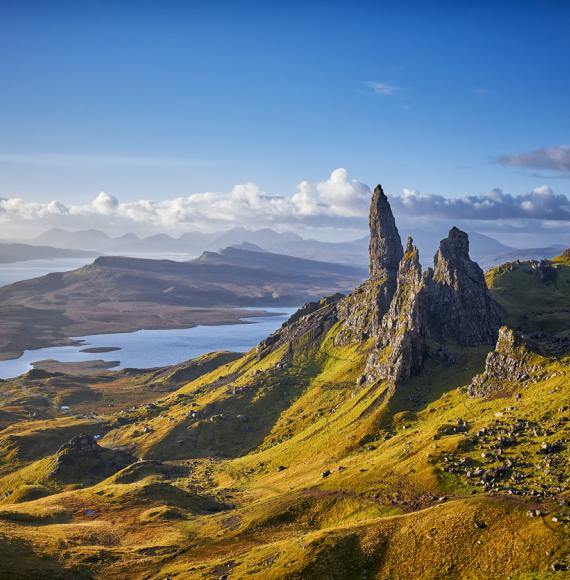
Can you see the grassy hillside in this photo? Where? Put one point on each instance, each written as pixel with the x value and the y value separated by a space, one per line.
pixel 277 465
pixel 534 298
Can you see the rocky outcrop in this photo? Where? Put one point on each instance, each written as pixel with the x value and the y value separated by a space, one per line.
pixel 449 302
pixel 83 460
pixel 304 328
pixel 401 348
pixel 363 310
pixel 511 364
pixel 460 306
pixel 399 308
pixel 544 270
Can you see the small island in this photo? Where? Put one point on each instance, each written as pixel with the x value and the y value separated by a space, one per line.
pixel 100 349
pixel 83 368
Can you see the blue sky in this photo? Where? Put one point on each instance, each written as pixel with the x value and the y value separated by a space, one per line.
pixel 148 100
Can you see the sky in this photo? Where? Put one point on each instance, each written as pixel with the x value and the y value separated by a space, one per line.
pixel 177 116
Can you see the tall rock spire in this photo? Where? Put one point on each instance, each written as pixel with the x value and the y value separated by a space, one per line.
pixel 385 244
pixel 363 310
pixel 402 345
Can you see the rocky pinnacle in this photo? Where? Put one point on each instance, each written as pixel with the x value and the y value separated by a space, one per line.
pixel 461 307
pixel 402 345
pixel 385 244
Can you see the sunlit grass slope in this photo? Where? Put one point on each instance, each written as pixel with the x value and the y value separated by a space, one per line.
pixel 277 465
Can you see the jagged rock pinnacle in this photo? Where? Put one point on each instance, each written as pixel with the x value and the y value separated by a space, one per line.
pixel 404 328
pixel 362 311
pixel 456 243
pixel 460 304
pixel 509 366
pixel 385 244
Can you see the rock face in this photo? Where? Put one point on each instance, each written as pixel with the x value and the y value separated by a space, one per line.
pixel 83 460
pixel 545 270
pixel 401 347
pixel 363 310
pixel 449 302
pixel 400 309
pixel 385 248
pixel 460 306
pixel 306 326
pixel 511 364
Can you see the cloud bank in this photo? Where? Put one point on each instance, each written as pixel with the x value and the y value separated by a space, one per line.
pixel 549 158
pixel 336 202
pixel 539 204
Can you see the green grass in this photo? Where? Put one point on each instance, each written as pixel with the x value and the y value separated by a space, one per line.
pixel 324 478
pixel 530 304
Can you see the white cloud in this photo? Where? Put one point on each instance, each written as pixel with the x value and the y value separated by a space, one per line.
pixel 105 204
pixel 383 89
pixel 335 202
pixel 344 197
pixel 327 202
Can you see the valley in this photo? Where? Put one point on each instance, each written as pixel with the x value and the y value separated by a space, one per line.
pixel 415 428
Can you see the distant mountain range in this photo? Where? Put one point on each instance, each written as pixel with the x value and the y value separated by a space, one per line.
pixel 194 243
pixel 11 253
pixel 485 250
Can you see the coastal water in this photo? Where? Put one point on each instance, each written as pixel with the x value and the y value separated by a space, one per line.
pixel 10 273
pixel 153 348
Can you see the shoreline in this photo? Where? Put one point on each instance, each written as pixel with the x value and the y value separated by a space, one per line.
pixel 220 317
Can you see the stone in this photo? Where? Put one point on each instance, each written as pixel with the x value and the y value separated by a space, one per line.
pixel 480 525
pixel 362 311
pixel 83 460
pixel 404 310
pixel 385 249
pixel 401 350
pixel 460 304
pixel 505 367
pixel 307 325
